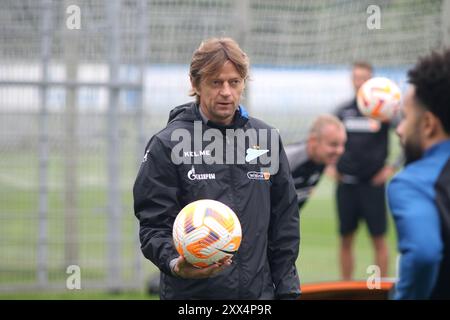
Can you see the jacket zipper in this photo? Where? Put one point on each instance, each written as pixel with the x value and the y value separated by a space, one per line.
pixel 233 191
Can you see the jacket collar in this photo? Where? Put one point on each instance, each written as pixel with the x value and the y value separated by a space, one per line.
pixel 239 120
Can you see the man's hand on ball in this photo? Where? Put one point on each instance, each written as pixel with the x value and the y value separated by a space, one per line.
pixel 184 269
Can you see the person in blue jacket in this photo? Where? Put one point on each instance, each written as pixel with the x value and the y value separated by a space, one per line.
pixel 419 196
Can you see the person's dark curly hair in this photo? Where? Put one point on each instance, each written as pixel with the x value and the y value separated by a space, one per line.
pixel 431 78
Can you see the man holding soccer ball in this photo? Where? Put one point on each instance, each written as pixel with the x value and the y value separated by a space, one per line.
pixel 361 174
pixel 251 177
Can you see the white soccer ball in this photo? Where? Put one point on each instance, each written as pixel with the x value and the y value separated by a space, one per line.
pixel 379 98
pixel 206 231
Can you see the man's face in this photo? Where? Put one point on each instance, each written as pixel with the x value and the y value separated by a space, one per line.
pixel 359 76
pixel 220 94
pixel 328 146
pixel 409 128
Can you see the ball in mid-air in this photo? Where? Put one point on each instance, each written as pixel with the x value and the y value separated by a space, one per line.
pixel 206 231
pixel 379 98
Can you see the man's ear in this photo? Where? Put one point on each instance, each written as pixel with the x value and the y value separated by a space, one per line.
pixel 194 87
pixel 312 139
pixel 431 124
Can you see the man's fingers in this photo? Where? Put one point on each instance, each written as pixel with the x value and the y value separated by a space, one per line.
pixel 216 267
pixel 186 270
pixel 203 272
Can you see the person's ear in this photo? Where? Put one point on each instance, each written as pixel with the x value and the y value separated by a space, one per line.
pixel 194 87
pixel 430 124
pixel 312 140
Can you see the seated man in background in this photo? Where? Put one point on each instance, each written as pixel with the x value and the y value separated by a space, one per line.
pixel 324 145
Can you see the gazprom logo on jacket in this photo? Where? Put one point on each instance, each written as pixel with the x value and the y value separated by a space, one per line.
pixel 200 176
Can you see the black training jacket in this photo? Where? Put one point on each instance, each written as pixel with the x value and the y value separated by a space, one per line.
pixel 305 172
pixel 442 287
pixel 264 266
pixel 366 148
